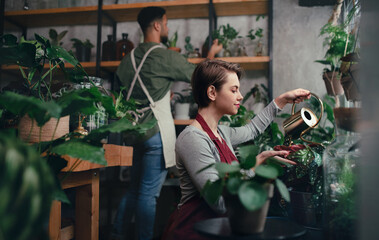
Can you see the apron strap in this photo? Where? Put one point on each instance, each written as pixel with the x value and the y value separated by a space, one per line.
pixel 137 76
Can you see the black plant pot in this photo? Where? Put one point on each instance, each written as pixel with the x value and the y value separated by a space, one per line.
pixel 303 209
pixel 83 54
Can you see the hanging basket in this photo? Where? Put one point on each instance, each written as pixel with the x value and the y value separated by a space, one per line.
pixel 347 118
pixel 25 129
pixel 350 84
pixel 332 83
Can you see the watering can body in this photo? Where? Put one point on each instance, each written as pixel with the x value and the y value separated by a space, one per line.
pixel 301 122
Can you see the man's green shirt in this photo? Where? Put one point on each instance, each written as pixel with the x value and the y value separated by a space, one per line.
pixel 161 68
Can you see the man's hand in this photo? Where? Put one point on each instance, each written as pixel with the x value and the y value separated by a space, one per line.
pixel 215 48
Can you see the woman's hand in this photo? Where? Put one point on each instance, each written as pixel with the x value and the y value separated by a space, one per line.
pixel 294 96
pixel 278 155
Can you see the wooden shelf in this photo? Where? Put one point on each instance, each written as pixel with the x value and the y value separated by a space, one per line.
pixel 247 63
pixel 128 12
pixel 183 122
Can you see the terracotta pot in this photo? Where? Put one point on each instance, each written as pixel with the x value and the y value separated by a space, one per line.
pixel 243 221
pixel 332 83
pixel 176 49
pixel 26 123
pixel 347 118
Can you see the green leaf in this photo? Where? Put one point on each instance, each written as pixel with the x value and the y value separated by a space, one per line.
pixel 267 171
pixel 121 125
pixel 212 191
pixel 224 168
pixel 247 150
pixel 34 107
pixel 282 188
pixel 82 100
pixel 84 151
pixel 252 195
pixel 233 184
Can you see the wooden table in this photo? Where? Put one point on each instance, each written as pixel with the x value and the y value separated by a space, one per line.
pixel 85 179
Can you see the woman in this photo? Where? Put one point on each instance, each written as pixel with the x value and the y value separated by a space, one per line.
pixel 216 90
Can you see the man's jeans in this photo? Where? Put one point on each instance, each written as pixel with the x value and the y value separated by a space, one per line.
pixel 147 176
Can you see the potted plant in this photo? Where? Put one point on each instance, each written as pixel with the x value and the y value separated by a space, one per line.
pixel 305 180
pixel 82 49
pixel 252 36
pixel 246 192
pixel 55 38
pixel 39 104
pixel 183 103
pixel 339 41
pixel 171 42
pixel 31 56
pixel 227 34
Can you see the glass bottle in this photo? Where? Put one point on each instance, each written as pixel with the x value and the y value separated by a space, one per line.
pixel 109 50
pixel 123 47
pixel 340 178
pixel 259 49
pixel 194 54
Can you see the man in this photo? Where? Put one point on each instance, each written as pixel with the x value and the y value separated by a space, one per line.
pixel 148 73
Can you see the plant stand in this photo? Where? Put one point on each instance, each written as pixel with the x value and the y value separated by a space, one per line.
pixel 85 179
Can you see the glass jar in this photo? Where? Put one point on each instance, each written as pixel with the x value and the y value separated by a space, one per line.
pixel 340 175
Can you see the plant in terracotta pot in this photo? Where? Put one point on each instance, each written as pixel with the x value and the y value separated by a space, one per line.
pixel 171 42
pixel 246 192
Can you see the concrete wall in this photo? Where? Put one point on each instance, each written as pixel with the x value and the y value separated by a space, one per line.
pixel 296 45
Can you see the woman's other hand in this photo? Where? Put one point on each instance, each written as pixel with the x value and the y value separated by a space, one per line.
pixel 293 96
pixel 278 155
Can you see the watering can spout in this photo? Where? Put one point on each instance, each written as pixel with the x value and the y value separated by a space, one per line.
pixel 301 122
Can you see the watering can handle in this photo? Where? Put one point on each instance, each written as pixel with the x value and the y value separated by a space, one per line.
pixel 319 119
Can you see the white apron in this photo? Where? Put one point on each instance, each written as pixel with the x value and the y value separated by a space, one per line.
pixel 161 110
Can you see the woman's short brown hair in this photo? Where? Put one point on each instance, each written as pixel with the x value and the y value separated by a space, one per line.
pixel 211 72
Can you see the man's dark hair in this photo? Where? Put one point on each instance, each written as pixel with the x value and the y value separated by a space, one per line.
pixel 148 15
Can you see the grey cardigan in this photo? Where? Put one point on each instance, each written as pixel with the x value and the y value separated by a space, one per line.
pixel 195 150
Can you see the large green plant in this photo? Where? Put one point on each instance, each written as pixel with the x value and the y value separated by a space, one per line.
pixel 340 39
pixel 31 56
pixel 237 179
pixel 26 190
pixel 42 108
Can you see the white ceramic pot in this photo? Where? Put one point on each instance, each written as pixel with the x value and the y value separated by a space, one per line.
pixel 182 111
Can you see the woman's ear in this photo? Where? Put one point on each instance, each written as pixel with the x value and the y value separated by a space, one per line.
pixel 211 92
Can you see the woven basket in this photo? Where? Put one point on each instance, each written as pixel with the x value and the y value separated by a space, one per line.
pixel 47 130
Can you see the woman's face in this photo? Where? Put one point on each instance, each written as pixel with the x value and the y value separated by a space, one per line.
pixel 228 98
